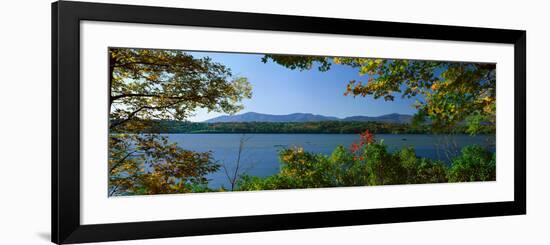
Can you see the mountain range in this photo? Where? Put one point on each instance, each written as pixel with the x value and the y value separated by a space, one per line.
pixel 307 117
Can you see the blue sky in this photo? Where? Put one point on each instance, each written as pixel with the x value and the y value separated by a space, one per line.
pixel 279 90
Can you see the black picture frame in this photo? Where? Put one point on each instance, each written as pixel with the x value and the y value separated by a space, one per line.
pixel 66 17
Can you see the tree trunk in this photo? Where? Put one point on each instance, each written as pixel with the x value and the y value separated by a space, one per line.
pixel 110 81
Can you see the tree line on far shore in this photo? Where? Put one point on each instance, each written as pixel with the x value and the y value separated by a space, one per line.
pixel 322 127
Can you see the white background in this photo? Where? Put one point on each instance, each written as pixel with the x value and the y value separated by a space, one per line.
pixel 25 144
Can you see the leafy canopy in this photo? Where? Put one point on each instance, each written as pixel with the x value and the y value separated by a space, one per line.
pixel 447 93
pixel 169 84
pixel 147 85
pixel 148 164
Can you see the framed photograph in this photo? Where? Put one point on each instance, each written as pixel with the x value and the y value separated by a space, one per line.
pixel 176 122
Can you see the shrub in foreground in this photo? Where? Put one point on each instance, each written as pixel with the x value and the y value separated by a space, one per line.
pixel 473 164
pixel 371 164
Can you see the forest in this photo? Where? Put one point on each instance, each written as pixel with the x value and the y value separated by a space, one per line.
pixel 322 127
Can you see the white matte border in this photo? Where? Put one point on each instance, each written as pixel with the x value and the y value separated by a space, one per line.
pixel 97 208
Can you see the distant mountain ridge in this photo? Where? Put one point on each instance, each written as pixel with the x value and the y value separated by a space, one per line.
pixel 308 117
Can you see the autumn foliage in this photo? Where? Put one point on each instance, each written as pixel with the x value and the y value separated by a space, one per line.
pixel 446 93
pixel 145 85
